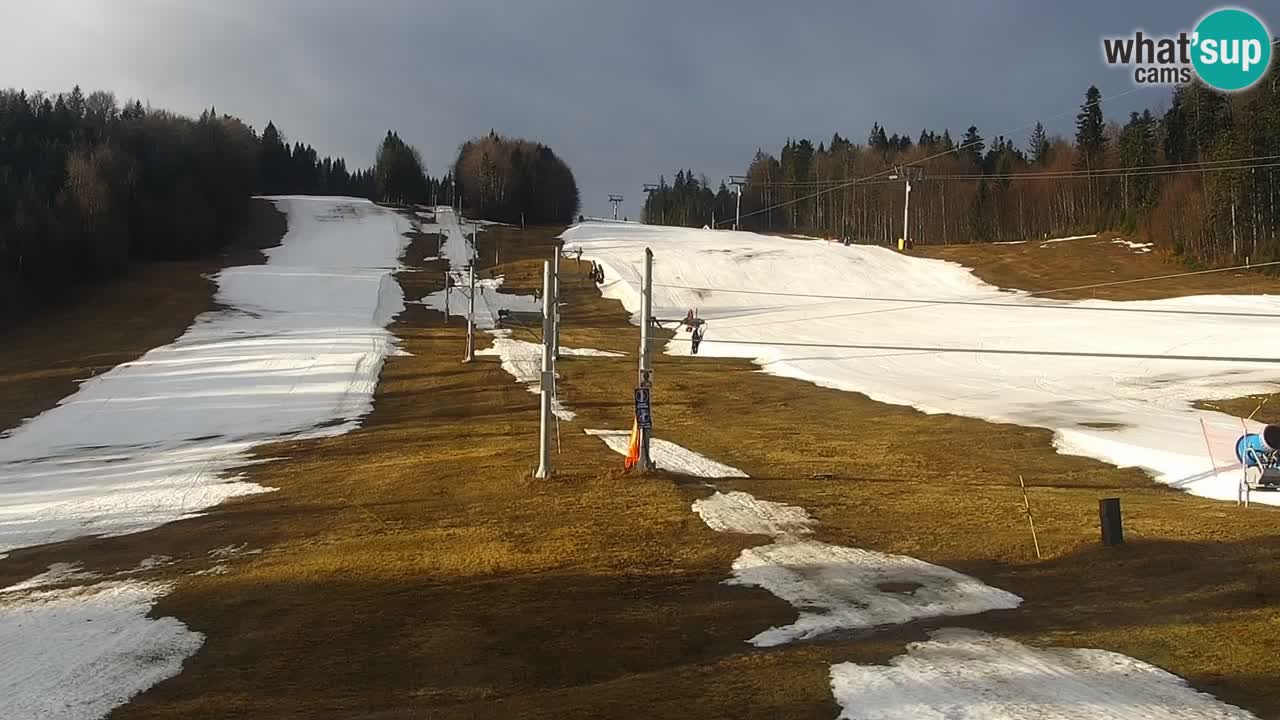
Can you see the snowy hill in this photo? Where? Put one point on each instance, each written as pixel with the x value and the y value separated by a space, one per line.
pixel 1113 380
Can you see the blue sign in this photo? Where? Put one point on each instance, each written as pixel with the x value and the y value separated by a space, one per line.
pixel 644 417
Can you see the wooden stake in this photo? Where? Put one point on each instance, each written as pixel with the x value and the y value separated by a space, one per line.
pixel 1026 507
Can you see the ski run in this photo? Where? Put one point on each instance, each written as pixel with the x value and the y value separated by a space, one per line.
pixel 930 335
pixel 294 352
pixel 297 345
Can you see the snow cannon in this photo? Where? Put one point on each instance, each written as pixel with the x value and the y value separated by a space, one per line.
pixel 1261 450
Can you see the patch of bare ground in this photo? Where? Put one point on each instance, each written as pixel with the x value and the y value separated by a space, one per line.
pixel 1037 266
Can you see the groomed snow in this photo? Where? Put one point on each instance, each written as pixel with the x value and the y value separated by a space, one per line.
pixel 1000 364
pixel 76 654
pixel 969 675
pixel 669 456
pixel 295 352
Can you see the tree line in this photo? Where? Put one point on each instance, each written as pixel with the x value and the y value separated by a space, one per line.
pixel 88 186
pixel 515 181
pixel 1209 208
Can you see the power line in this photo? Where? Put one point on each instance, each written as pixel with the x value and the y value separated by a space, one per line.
pixel 918 303
pixel 955 149
pixel 1248 163
pixel 1110 172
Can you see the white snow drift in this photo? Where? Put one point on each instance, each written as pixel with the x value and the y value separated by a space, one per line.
pixel 969 675
pixel 75 654
pixel 669 456
pixel 842 588
pixel 296 349
pixel 833 587
pixel 741 512
pixel 1101 377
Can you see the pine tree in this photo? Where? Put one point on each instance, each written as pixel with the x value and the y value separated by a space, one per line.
pixel 971 146
pixel 1090 138
pixel 1038 145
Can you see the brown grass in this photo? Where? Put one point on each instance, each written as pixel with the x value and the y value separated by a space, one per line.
pixel 412 568
pixel 1040 267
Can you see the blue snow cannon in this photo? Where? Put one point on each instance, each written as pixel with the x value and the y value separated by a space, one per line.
pixel 1261 450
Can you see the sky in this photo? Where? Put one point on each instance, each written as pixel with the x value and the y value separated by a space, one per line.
pixel 623 91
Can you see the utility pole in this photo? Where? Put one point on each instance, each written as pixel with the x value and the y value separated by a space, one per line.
pixel 907 173
pixel 738 182
pixel 548 378
pixel 471 315
pixel 555 312
pixel 646 364
pixel 615 199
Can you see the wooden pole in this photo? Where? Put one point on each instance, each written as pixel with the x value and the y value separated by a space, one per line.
pixel 1026 507
pixel 1109 517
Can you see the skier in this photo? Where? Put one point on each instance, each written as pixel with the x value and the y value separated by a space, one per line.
pixel 698 332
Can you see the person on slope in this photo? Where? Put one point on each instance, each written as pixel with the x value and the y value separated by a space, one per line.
pixel 698 332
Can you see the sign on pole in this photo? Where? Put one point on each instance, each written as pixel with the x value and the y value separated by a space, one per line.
pixel 644 416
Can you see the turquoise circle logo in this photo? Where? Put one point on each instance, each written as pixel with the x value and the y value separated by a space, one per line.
pixel 1231 49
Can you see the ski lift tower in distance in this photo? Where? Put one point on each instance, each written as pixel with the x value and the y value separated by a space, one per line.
pixel 910 174
pixel 738 182
pixel 615 199
pixel 650 189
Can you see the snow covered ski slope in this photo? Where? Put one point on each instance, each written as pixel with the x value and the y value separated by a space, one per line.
pixel 296 349
pixel 1111 383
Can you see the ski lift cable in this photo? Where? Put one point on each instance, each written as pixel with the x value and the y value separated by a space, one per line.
pixel 987 351
pixel 920 303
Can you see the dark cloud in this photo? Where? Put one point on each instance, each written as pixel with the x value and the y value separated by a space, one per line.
pixel 624 91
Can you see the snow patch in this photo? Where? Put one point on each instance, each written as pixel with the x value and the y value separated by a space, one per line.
pixel 839 588
pixel 1066 239
pixel 833 587
pixel 741 512
pixel 230 551
pixel 1135 246
pixel 152 563
pixel 669 456
pixel 57 574
pixel 76 654
pixel 969 675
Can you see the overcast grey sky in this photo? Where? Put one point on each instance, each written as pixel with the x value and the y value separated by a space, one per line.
pixel 624 91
